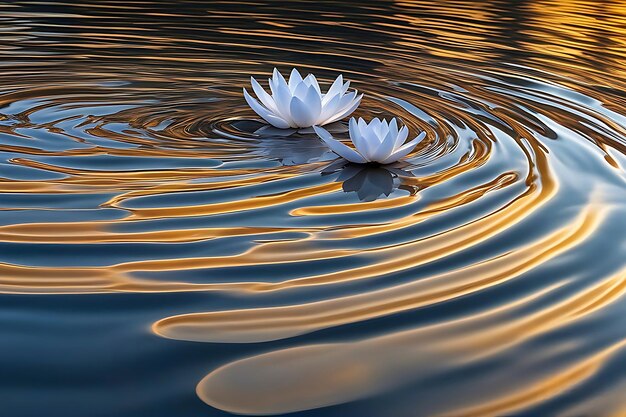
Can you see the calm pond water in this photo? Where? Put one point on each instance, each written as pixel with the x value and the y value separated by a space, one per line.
pixel 161 257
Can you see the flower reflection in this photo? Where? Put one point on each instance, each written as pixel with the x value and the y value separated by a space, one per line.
pixel 370 182
pixel 283 150
pixel 278 144
pixel 269 131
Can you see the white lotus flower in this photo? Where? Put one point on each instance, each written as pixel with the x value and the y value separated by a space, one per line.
pixel 300 103
pixel 377 141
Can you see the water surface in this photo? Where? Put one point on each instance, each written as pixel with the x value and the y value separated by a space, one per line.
pixel 160 255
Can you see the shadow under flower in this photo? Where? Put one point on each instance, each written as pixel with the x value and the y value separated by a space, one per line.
pixel 288 146
pixel 370 181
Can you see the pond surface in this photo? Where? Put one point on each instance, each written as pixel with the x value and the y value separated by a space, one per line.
pixel 161 256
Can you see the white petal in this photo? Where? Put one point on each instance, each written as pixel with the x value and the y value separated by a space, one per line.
pixel 299 112
pixel 267 115
pixel 368 149
pixel 347 100
pixel 383 130
pixel 369 143
pixel 334 89
pixel 384 149
pixel 305 112
pixel 393 127
pixel 300 91
pixel 311 80
pixel 420 137
pixel 379 129
pixel 314 102
pixel 391 136
pixel 371 134
pixel 355 135
pixel 294 79
pixel 329 110
pixel 265 98
pixel 278 77
pixel 404 150
pixel 362 126
pixel 353 128
pixel 345 87
pixel 399 154
pixel 346 112
pixel 338 147
pixel 282 98
pixel 402 135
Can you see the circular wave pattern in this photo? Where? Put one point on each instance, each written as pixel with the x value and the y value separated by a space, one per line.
pixel 492 254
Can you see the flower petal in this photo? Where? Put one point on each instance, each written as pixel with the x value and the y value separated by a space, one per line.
pixel 392 134
pixel 371 133
pixel 404 150
pixel 370 140
pixel 362 126
pixel 329 110
pixel 347 100
pixel 294 79
pixel 401 138
pixel 267 115
pixel 356 137
pixel 334 89
pixel 299 112
pixel 383 130
pixel 313 101
pixel 353 128
pixel 305 112
pixel 393 127
pixel 282 97
pixel 344 88
pixel 347 111
pixel 278 77
pixel 265 98
pixel 338 147
pixel 385 149
pixel 300 90
pixel 310 80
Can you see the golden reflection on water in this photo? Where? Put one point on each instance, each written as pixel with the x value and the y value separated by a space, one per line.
pixel 345 372
pixel 487 268
pixel 268 324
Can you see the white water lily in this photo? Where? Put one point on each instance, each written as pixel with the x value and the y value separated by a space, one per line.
pixel 377 141
pixel 300 103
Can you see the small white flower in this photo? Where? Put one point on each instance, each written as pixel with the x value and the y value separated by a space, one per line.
pixel 377 141
pixel 300 103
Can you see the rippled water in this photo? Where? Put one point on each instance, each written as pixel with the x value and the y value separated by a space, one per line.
pixel 160 256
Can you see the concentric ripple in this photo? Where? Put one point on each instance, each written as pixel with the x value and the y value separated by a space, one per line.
pixel 484 275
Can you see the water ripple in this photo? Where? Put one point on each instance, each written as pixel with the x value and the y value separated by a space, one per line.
pixel 493 253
